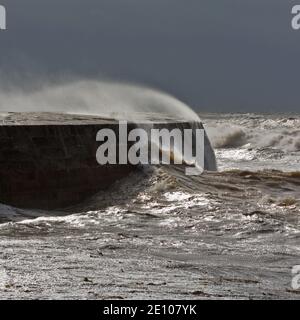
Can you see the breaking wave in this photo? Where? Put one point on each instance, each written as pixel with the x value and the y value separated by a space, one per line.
pixel 282 134
pixel 227 137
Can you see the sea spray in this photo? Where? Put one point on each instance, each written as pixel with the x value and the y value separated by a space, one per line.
pixel 114 100
pixel 118 101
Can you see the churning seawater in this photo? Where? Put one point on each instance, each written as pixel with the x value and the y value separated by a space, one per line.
pixel 160 234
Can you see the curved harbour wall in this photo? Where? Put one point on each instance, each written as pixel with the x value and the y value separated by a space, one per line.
pixel 49 161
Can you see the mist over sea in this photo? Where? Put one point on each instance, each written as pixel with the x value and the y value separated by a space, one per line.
pixel 161 234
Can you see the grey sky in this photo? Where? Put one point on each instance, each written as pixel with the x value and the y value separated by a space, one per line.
pixel 222 55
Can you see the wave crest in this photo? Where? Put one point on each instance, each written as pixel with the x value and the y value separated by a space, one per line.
pixel 227 137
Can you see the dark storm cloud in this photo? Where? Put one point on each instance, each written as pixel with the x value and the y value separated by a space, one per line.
pixel 224 55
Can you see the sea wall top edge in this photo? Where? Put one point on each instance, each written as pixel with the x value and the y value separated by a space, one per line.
pixel 12 119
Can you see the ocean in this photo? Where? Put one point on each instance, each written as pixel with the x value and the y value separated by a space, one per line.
pixel 230 234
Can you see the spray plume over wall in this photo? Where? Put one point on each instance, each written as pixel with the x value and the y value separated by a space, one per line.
pixel 107 99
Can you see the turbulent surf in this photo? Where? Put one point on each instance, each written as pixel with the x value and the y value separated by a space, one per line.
pixel 227 234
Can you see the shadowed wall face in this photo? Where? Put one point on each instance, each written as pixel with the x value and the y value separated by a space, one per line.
pixel 222 55
pixel 52 166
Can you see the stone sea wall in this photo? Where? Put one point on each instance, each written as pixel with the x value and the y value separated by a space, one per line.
pixel 53 166
pixel 48 161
